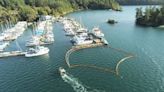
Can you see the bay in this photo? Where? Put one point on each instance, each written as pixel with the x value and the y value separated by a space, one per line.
pixel 143 73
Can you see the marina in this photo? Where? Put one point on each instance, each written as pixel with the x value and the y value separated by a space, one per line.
pixel 80 35
pixel 92 68
pixel 10 33
pixel 42 34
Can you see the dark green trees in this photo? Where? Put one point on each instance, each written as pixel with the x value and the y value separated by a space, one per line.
pixel 97 4
pixel 140 2
pixel 29 9
pixel 139 13
pixel 27 13
pixel 152 16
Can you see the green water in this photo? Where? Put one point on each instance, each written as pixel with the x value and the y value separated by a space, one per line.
pixel 143 73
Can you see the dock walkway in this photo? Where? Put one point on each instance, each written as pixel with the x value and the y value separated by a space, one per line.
pixel 12 53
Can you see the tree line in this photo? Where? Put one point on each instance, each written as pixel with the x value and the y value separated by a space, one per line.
pixel 140 2
pixel 29 10
pixel 151 16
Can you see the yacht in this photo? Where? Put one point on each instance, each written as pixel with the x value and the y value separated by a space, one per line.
pixel 80 40
pixel 80 35
pixel 37 51
pixel 2 37
pixel 62 71
pixel 83 34
pixel 97 32
pixel 3 45
pixel 68 27
pixel 46 40
pixel 33 41
pixel 82 30
pixel 70 33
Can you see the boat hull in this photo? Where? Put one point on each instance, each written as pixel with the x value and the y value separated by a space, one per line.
pixel 84 42
pixel 37 54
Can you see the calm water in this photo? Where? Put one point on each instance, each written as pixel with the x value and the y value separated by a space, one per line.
pixel 144 73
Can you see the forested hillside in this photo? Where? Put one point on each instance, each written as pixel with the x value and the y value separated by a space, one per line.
pixel 151 16
pixel 140 2
pixel 13 10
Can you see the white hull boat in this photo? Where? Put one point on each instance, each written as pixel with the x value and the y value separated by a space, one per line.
pixel 62 71
pixel 3 45
pixel 38 51
pixel 84 42
pixel 97 32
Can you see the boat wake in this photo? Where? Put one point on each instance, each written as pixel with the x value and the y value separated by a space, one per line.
pixel 77 85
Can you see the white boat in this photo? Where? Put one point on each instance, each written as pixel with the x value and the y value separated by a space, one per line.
pixel 48 37
pixel 81 35
pixel 46 40
pixel 2 37
pixel 33 41
pixel 43 34
pixel 84 42
pixel 70 33
pixel 37 51
pixel 79 40
pixel 82 30
pixel 97 32
pixel 12 33
pixel 62 71
pixel 68 27
pixel 3 45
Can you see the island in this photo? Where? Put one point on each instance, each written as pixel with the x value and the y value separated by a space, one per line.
pixel 29 10
pixel 151 16
pixel 111 21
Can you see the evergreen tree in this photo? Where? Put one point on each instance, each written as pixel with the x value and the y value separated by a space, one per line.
pixel 151 17
pixel 29 9
pixel 139 13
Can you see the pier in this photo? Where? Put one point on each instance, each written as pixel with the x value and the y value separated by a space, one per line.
pixel 12 53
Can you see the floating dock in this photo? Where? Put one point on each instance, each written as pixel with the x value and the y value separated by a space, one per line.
pixel 12 53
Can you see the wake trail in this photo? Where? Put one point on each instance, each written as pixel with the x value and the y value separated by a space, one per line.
pixel 77 85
